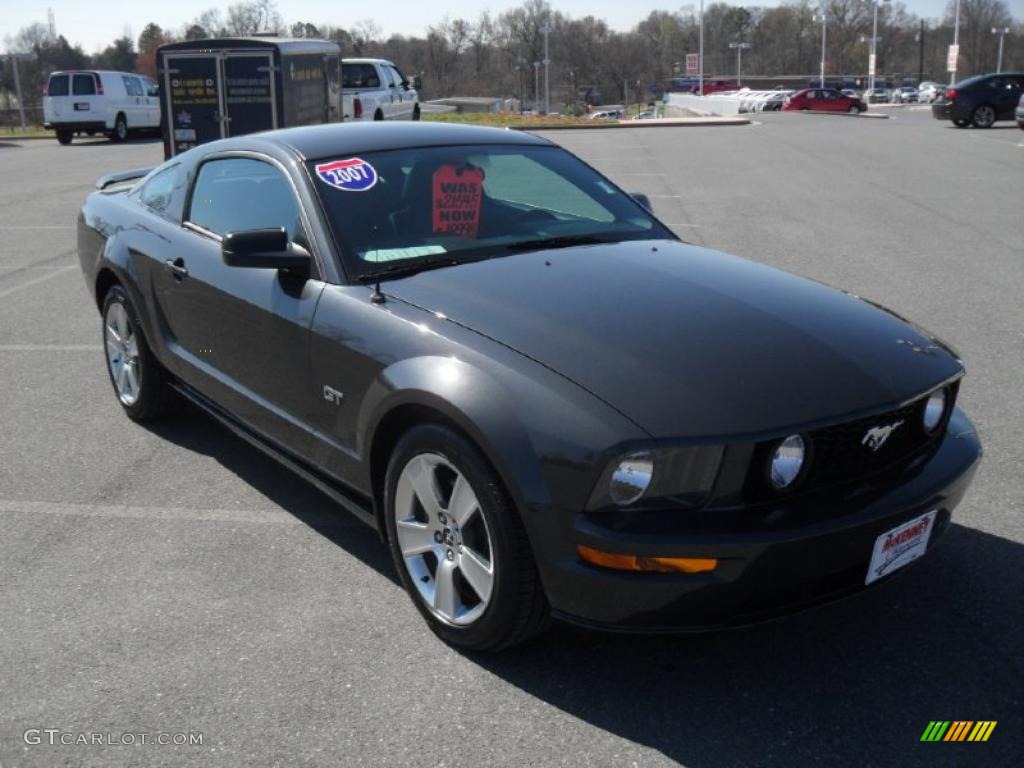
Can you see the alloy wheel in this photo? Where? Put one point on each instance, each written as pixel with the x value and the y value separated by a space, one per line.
pixel 984 116
pixel 122 354
pixel 444 539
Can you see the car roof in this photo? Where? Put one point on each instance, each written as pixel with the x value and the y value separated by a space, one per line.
pixel 315 142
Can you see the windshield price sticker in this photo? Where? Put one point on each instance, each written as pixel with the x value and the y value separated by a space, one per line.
pixel 457 194
pixel 352 175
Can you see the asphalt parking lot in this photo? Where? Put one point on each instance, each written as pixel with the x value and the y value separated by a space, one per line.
pixel 175 580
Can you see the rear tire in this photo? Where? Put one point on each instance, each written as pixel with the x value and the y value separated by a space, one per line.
pixel 378 115
pixel 475 552
pixel 983 116
pixel 64 137
pixel 139 381
pixel 120 132
pixel 416 112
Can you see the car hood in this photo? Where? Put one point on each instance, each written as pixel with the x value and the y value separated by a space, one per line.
pixel 689 342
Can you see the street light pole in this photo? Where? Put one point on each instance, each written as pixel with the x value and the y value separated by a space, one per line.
pixel 1002 32
pixel 536 86
pixel 700 48
pixel 956 43
pixel 823 18
pixel 739 58
pixel 546 29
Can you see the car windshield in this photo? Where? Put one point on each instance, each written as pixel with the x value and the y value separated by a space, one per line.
pixel 403 210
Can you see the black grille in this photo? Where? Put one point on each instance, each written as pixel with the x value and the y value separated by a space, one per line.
pixel 846 452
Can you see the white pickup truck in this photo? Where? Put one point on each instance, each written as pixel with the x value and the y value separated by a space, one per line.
pixel 375 89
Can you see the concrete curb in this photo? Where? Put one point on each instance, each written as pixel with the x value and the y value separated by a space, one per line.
pixel 667 122
pixel 837 114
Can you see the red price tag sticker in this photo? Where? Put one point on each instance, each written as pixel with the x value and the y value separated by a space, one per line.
pixel 457 194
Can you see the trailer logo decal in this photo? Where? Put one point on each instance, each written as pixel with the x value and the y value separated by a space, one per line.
pixel 352 175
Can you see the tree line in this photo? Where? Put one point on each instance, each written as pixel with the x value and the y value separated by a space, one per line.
pixel 495 55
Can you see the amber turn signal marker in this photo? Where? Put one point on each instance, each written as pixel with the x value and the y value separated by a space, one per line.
pixel 651 564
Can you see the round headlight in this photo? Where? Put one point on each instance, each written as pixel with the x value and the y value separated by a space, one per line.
pixel 787 461
pixel 934 410
pixel 631 478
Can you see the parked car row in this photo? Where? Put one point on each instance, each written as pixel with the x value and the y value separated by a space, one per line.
pixel 762 101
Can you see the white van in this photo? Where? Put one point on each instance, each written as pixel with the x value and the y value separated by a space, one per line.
pixel 100 101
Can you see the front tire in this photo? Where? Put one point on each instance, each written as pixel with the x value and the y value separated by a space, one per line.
pixel 416 112
pixel 458 543
pixel 854 110
pixel 983 116
pixel 64 137
pixel 139 381
pixel 120 132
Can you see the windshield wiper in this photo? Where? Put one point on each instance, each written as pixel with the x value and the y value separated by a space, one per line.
pixel 409 268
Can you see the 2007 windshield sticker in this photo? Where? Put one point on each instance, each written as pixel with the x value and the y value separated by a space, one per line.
pixel 352 175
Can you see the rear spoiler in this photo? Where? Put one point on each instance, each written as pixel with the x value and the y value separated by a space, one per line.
pixel 115 178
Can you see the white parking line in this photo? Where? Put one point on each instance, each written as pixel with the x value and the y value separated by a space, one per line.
pixel 51 348
pixel 37 226
pixel 30 283
pixel 161 514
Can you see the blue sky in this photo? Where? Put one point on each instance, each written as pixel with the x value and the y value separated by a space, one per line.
pixel 94 25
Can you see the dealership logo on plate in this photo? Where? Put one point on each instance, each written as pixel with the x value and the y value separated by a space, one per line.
pixel 352 175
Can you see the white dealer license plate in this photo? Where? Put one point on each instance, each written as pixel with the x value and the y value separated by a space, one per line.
pixel 902 545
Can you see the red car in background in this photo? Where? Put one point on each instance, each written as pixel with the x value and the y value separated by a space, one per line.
pixel 823 100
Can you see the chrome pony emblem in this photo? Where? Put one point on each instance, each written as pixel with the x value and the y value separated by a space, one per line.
pixel 875 437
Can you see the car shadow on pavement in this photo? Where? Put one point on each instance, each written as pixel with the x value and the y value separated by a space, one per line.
pixel 195 431
pixel 849 684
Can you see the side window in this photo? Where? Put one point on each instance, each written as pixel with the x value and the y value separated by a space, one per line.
pixel 238 193
pixel 151 89
pixel 83 85
pixel 812 94
pixel 158 191
pixel 398 76
pixel 389 79
pixel 58 85
pixel 131 86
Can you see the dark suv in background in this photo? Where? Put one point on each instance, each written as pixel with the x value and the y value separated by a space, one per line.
pixel 981 100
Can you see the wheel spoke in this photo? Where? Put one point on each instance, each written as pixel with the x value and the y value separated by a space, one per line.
pixel 133 347
pixel 133 379
pixel 444 589
pixel 414 538
pixel 463 503
pixel 421 475
pixel 122 376
pixel 113 350
pixel 112 330
pixel 477 572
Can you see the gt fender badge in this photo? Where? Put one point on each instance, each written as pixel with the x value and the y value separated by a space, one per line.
pixel 352 175
pixel 875 437
pixel 331 395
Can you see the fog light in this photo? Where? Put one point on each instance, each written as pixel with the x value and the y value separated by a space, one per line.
pixel 934 410
pixel 787 461
pixel 648 564
pixel 631 478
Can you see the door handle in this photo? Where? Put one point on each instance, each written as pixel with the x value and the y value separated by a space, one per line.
pixel 177 268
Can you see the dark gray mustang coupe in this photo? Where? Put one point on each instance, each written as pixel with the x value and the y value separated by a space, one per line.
pixel 546 403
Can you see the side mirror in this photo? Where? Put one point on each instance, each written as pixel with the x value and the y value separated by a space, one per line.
pixel 417 82
pixel 263 249
pixel 643 199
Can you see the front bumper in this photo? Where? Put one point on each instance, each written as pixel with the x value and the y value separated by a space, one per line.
pixel 765 573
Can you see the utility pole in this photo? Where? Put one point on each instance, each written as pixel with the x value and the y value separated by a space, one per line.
pixel 546 29
pixel 17 89
pixel 920 54
pixel 1002 32
pixel 739 58
pixel 520 63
